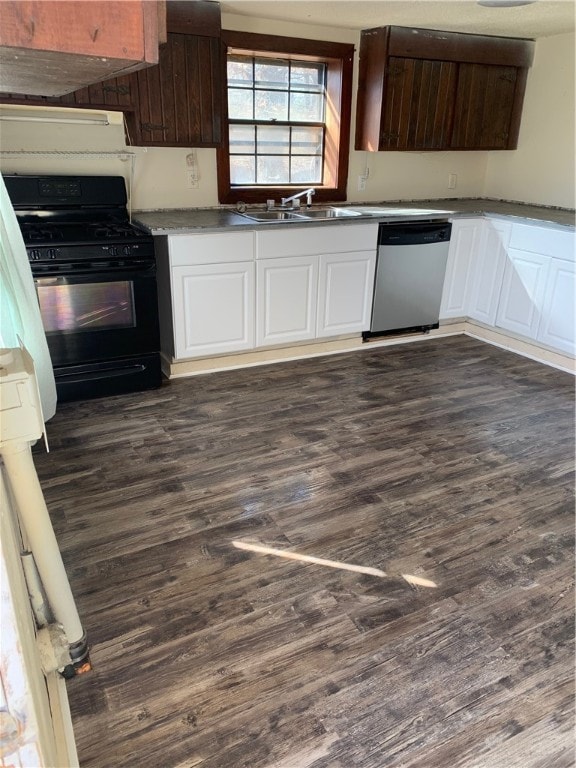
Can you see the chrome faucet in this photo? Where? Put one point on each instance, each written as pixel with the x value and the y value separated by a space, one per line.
pixel 308 192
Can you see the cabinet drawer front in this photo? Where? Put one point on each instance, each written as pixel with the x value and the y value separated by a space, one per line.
pixel 309 240
pixel 217 248
pixel 544 240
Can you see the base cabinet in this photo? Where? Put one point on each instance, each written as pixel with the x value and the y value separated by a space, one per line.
pixel 488 271
pixel 462 255
pixel 346 286
pixel 521 300
pixel 558 321
pixel 286 300
pixel 213 309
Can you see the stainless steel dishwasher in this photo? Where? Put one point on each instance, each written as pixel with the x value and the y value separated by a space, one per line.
pixel 410 273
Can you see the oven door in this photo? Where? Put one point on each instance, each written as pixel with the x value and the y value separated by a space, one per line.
pixel 91 313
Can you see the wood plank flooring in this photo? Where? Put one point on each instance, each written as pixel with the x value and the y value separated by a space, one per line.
pixel 445 458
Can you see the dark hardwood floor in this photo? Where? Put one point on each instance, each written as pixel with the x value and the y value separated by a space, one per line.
pixel 445 458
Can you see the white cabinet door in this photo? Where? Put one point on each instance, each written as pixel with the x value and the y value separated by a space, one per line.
pixel 464 245
pixel 522 295
pixel 557 324
pixel 213 308
pixel 346 285
pixel 489 270
pixel 286 300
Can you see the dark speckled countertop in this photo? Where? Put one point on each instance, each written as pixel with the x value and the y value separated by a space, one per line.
pixel 183 221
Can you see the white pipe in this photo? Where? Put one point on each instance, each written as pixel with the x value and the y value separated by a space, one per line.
pixel 34 515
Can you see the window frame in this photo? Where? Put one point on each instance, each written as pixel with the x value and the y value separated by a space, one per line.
pixel 338 58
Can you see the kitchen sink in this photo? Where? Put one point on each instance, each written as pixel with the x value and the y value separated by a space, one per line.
pixel 271 216
pixel 301 214
pixel 328 213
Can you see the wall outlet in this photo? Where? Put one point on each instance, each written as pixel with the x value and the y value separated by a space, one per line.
pixel 361 183
pixel 192 179
pixel 452 180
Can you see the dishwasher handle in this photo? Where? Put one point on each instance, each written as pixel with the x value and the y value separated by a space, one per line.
pixel 414 233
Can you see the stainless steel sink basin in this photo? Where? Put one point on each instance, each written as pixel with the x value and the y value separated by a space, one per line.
pixel 328 213
pixel 271 216
pixel 306 214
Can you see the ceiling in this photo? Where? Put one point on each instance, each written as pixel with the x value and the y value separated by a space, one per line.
pixel 539 19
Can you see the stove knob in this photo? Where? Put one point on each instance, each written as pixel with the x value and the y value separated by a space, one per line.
pixel 113 251
pixel 51 253
pixel 126 250
pixel 34 254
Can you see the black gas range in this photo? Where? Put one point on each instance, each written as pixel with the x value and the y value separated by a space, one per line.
pixel 95 278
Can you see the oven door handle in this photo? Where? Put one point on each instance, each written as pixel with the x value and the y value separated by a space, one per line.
pixel 98 277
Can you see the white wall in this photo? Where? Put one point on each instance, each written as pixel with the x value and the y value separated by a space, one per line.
pixel 541 170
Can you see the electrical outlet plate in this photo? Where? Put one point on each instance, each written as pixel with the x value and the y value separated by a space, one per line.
pixel 361 183
pixel 452 180
pixel 192 179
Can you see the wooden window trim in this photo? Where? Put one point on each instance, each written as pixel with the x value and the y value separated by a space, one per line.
pixel 339 58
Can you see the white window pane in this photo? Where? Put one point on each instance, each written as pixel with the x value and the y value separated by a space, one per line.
pixel 240 71
pixel 306 170
pixel 307 107
pixel 273 170
pixel 307 76
pixel 242 170
pixel 271 73
pixel 270 105
pixel 240 104
pixel 307 141
pixel 242 140
pixel 273 140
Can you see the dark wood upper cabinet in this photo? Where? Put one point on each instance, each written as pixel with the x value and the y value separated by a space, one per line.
pixel 176 103
pixel 53 47
pixel 425 90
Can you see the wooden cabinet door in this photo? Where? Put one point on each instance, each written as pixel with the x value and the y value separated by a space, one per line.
pixel 213 309
pixel 464 245
pixel 558 319
pixel 418 104
pixel 490 260
pixel 179 100
pixel 287 291
pixel 522 296
pixel 345 289
pixel 484 106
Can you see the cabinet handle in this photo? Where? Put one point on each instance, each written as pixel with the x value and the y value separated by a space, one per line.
pixel 153 127
pixel 121 90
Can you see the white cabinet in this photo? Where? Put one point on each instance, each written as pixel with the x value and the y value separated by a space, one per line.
pixel 488 270
pixel 464 245
pixel 225 292
pixel 213 306
pixel 314 281
pixel 522 295
pixel 558 320
pixel 206 285
pixel 286 299
pixel 346 286
pixel 537 298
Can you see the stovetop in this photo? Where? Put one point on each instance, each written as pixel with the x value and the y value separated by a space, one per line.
pixel 50 233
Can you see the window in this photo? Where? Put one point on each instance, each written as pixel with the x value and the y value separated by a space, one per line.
pixel 287 118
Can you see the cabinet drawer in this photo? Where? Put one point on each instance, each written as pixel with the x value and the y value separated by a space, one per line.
pixel 309 240
pixel 543 240
pixel 187 250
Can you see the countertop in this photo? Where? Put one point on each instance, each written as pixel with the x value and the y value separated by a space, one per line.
pixel 195 220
